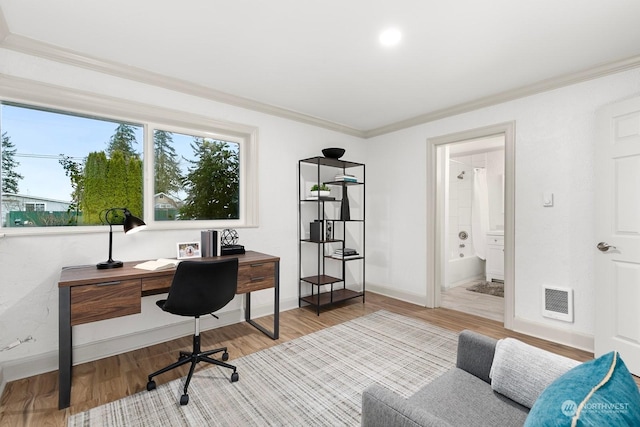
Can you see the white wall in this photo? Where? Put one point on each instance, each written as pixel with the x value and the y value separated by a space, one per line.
pixel 554 149
pixel 555 134
pixel 30 265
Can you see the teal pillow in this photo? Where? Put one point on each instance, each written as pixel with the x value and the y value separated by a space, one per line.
pixel 600 392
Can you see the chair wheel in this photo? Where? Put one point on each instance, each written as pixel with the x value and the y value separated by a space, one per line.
pixel 234 377
pixel 184 399
pixel 225 356
pixel 151 385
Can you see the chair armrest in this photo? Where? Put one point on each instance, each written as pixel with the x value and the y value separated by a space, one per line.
pixel 384 408
pixel 475 354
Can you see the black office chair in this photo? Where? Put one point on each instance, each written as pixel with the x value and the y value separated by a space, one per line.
pixel 198 288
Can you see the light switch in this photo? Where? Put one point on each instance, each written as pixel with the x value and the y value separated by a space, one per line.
pixel 547 199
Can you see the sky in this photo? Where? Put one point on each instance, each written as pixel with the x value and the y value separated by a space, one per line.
pixel 39 137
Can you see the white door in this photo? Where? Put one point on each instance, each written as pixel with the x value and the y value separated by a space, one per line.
pixel 617 302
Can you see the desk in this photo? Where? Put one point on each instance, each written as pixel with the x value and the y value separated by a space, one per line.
pixel 86 294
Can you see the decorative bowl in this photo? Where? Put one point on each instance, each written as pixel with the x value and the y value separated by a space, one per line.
pixel 333 153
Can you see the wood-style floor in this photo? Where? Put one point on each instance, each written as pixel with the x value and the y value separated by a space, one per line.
pixel 483 305
pixel 34 401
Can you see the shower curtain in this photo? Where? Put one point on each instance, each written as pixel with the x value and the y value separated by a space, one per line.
pixel 480 212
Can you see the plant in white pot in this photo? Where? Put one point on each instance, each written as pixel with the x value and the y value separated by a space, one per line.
pixel 321 190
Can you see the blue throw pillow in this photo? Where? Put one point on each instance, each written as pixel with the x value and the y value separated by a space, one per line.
pixel 600 392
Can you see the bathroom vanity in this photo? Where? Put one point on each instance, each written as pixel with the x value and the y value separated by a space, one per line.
pixel 495 255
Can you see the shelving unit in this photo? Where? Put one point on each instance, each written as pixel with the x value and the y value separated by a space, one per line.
pixel 325 279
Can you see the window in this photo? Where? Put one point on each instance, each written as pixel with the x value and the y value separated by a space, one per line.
pixel 195 177
pixel 65 168
pixel 87 165
pixel 34 207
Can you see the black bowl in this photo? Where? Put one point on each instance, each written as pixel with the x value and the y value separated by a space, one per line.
pixel 333 153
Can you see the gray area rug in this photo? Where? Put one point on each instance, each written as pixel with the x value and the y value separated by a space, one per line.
pixel 314 380
pixel 491 288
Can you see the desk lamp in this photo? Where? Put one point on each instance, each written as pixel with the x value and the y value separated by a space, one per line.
pixel 131 224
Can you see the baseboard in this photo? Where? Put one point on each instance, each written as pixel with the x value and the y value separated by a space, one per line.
pixel 572 339
pixel 3 382
pixel 267 309
pixel 409 297
pixel 47 362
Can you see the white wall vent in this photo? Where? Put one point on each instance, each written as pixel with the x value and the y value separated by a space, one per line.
pixel 558 303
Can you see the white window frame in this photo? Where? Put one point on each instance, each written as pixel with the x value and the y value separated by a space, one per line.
pixel 151 117
pixel 35 206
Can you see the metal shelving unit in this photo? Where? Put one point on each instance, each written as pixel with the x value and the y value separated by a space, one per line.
pixel 325 280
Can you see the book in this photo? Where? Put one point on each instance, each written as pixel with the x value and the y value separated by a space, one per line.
pixel 345 257
pixel 346 251
pixel 210 243
pixel 231 249
pixel 158 264
pixel 346 178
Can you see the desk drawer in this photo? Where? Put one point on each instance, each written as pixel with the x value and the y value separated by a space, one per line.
pixel 156 285
pixel 252 277
pixel 90 303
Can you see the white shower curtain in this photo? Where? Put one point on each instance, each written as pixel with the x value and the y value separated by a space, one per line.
pixel 480 212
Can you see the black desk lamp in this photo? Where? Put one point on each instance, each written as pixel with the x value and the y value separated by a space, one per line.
pixel 131 224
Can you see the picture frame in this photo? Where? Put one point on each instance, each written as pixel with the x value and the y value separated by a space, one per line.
pixel 188 250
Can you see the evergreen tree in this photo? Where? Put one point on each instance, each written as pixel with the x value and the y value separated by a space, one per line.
pixel 133 197
pixel 111 183
pixel 212 182
pixel 168 178
pixel 115 195
pixel 10 177
pixel 123 140
pixel 95 188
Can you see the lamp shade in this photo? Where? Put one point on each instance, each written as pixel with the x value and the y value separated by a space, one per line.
pixel 132 224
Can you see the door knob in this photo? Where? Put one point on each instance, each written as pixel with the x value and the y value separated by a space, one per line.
pixel 604 247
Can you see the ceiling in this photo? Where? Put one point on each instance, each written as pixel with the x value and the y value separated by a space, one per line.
pixel 321 62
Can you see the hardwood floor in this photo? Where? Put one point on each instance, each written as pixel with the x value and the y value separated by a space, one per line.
pixel 34 401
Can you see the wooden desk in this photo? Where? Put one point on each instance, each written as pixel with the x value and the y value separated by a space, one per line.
pixel 86 294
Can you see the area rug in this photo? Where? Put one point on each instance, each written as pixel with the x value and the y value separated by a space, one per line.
pixel 314 380
pixel 490 288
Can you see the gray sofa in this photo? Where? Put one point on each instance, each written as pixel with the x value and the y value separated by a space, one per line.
pixel 463 396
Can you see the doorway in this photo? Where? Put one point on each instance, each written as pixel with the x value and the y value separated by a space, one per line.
pixel 443 242
pixel 473 227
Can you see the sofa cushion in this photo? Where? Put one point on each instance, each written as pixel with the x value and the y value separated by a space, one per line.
pixel 475 354
pixel 462 399
pixel 382 407
pixel 521 371
pixel 599 392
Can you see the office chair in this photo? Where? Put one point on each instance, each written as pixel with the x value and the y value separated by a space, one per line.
pixel 198 288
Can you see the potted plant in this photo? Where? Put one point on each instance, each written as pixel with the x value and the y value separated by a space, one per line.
pixel 321 190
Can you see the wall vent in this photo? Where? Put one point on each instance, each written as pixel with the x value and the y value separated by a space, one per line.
pixel 558 303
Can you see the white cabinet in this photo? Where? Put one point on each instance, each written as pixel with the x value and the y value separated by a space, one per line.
pixel 495 255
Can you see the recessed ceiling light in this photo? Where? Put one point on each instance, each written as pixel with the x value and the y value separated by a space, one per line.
pixel 390 37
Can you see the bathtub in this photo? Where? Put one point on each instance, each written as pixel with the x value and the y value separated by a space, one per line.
pixel 463 270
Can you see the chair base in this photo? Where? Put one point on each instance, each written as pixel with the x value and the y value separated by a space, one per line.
pixel 194 358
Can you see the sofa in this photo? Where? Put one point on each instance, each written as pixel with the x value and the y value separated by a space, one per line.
pixel 510 383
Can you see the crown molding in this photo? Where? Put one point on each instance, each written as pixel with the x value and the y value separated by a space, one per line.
pixel 521 92
pixel 44 50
